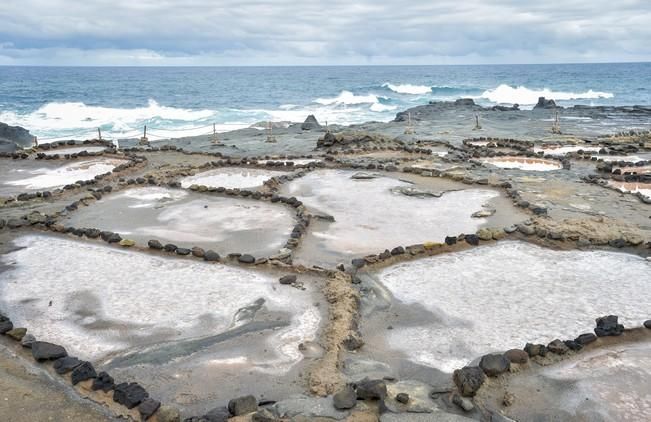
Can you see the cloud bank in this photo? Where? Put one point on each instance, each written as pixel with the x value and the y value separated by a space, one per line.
pixel 282 32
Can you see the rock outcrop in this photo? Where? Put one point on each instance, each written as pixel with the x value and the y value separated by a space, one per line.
pixel 14 135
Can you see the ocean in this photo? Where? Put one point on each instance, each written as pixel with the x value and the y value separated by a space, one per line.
pixel 72 102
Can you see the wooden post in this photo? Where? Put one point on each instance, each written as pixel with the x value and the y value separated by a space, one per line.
pixel 409 130
pixel 477 125
pixel 144 140
pixel 99 134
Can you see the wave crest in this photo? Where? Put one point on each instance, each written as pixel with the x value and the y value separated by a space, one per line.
pixel 408 88
pixel 506 94
pixel 348 98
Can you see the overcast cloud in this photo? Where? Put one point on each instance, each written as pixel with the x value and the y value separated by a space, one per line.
pixel 276 32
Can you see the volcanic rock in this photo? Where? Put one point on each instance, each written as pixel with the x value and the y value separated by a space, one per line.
pixel 42 350
pixel 468 380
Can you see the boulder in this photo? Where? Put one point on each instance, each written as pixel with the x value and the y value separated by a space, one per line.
pixel 183 251
pixel 544 103
pixel 402 398
pixel 246 259
pixel 494 364
pixel 608 326
pixel 242 405
pixel 127 242
pixel 468 380
pixel 368 389
pixel 535 350
pixel 16 135
pixel 17 333
pixel 129 395
pixel 558 347
pixel 103 382
pixel 168 414
pixel 310 123
pixel 198 252
pixel 346 398
pixel 647 324
pixel 5 324
pixel 288 279
pixel 83 372
pixel 42 350
pixel 28 340
pixel 148 407
pixel 155 244
pixel 211 255
pixel 472 239
pixel 66 364
pixel 517 356
pixel 450 240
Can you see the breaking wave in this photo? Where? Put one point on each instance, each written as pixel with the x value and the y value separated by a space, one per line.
pixel 506 94
pixel 408 88
pixel 348 98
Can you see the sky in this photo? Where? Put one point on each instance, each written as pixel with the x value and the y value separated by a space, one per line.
pixel 318 32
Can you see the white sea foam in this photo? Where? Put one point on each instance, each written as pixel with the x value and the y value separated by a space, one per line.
pixel 501 296
pixel 348 98
pixel 408 88
pixel 506 94
pixel 51 285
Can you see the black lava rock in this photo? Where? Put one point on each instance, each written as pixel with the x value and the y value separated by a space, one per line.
pixel 288 279
pixel 494 364
pixel 66 364
pixel 170 247
pixel 114 238
pixel 242 405
pixel 346 398
pixel 398 251
pixel 358 262
pixel 586 338
pixel 129 395
pixel 647 323
pixel 450 240
pixel 5 324
pixel 472 239
pixel 468 380
pixel 148 407
pixel 183 251
pixel 371 389
pixel 211 255
pixel 155 244
pixel 246 259
pixel 608 326
pixel 402 398
pixel 83 372
pixel 103 382
pixel 42 350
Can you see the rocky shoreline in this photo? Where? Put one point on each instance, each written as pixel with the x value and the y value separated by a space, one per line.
pixel 547 198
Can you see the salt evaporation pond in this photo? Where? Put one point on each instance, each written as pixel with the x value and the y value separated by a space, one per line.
pixel 498 297
pixel 29 175
pixel 370 215
pixel 75 150
pixel 558 150
pixel 190 219
pixel 632 187
pixel 531 164
pixel 173 324
pixel 231 178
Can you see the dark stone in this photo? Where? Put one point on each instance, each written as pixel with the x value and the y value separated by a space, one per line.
pixel 16 135
pixel 535 349
pixel 5 324
pixel 586 338
pixel 129 395
pixel 114 238
pixel 371 389
pixel 211 255
pixel 402 398
pixel 198 252
pixel 103 382
pixel 66 364
pixel 246 259
pixel 647 324
pixel 353 342
pixel 573 345
pixel 42 350
pixel 472 239
pixel 219 414
pixel 544 104
pixel 608 326
pixel 617 243
pixel 183 251
pixel 346 398
pixel 155 244
pixel 242 405
pixel 468 380
pixel 558 347
pixel 358 262
pixel 92 233
pixel 148 407
pixel 450 240
pixel 287 279
pixel 494 364
pixel 170 247
pixel 83 372
pixel 539 210
pixel 517 356
pixel 398 251
pixel 310 123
